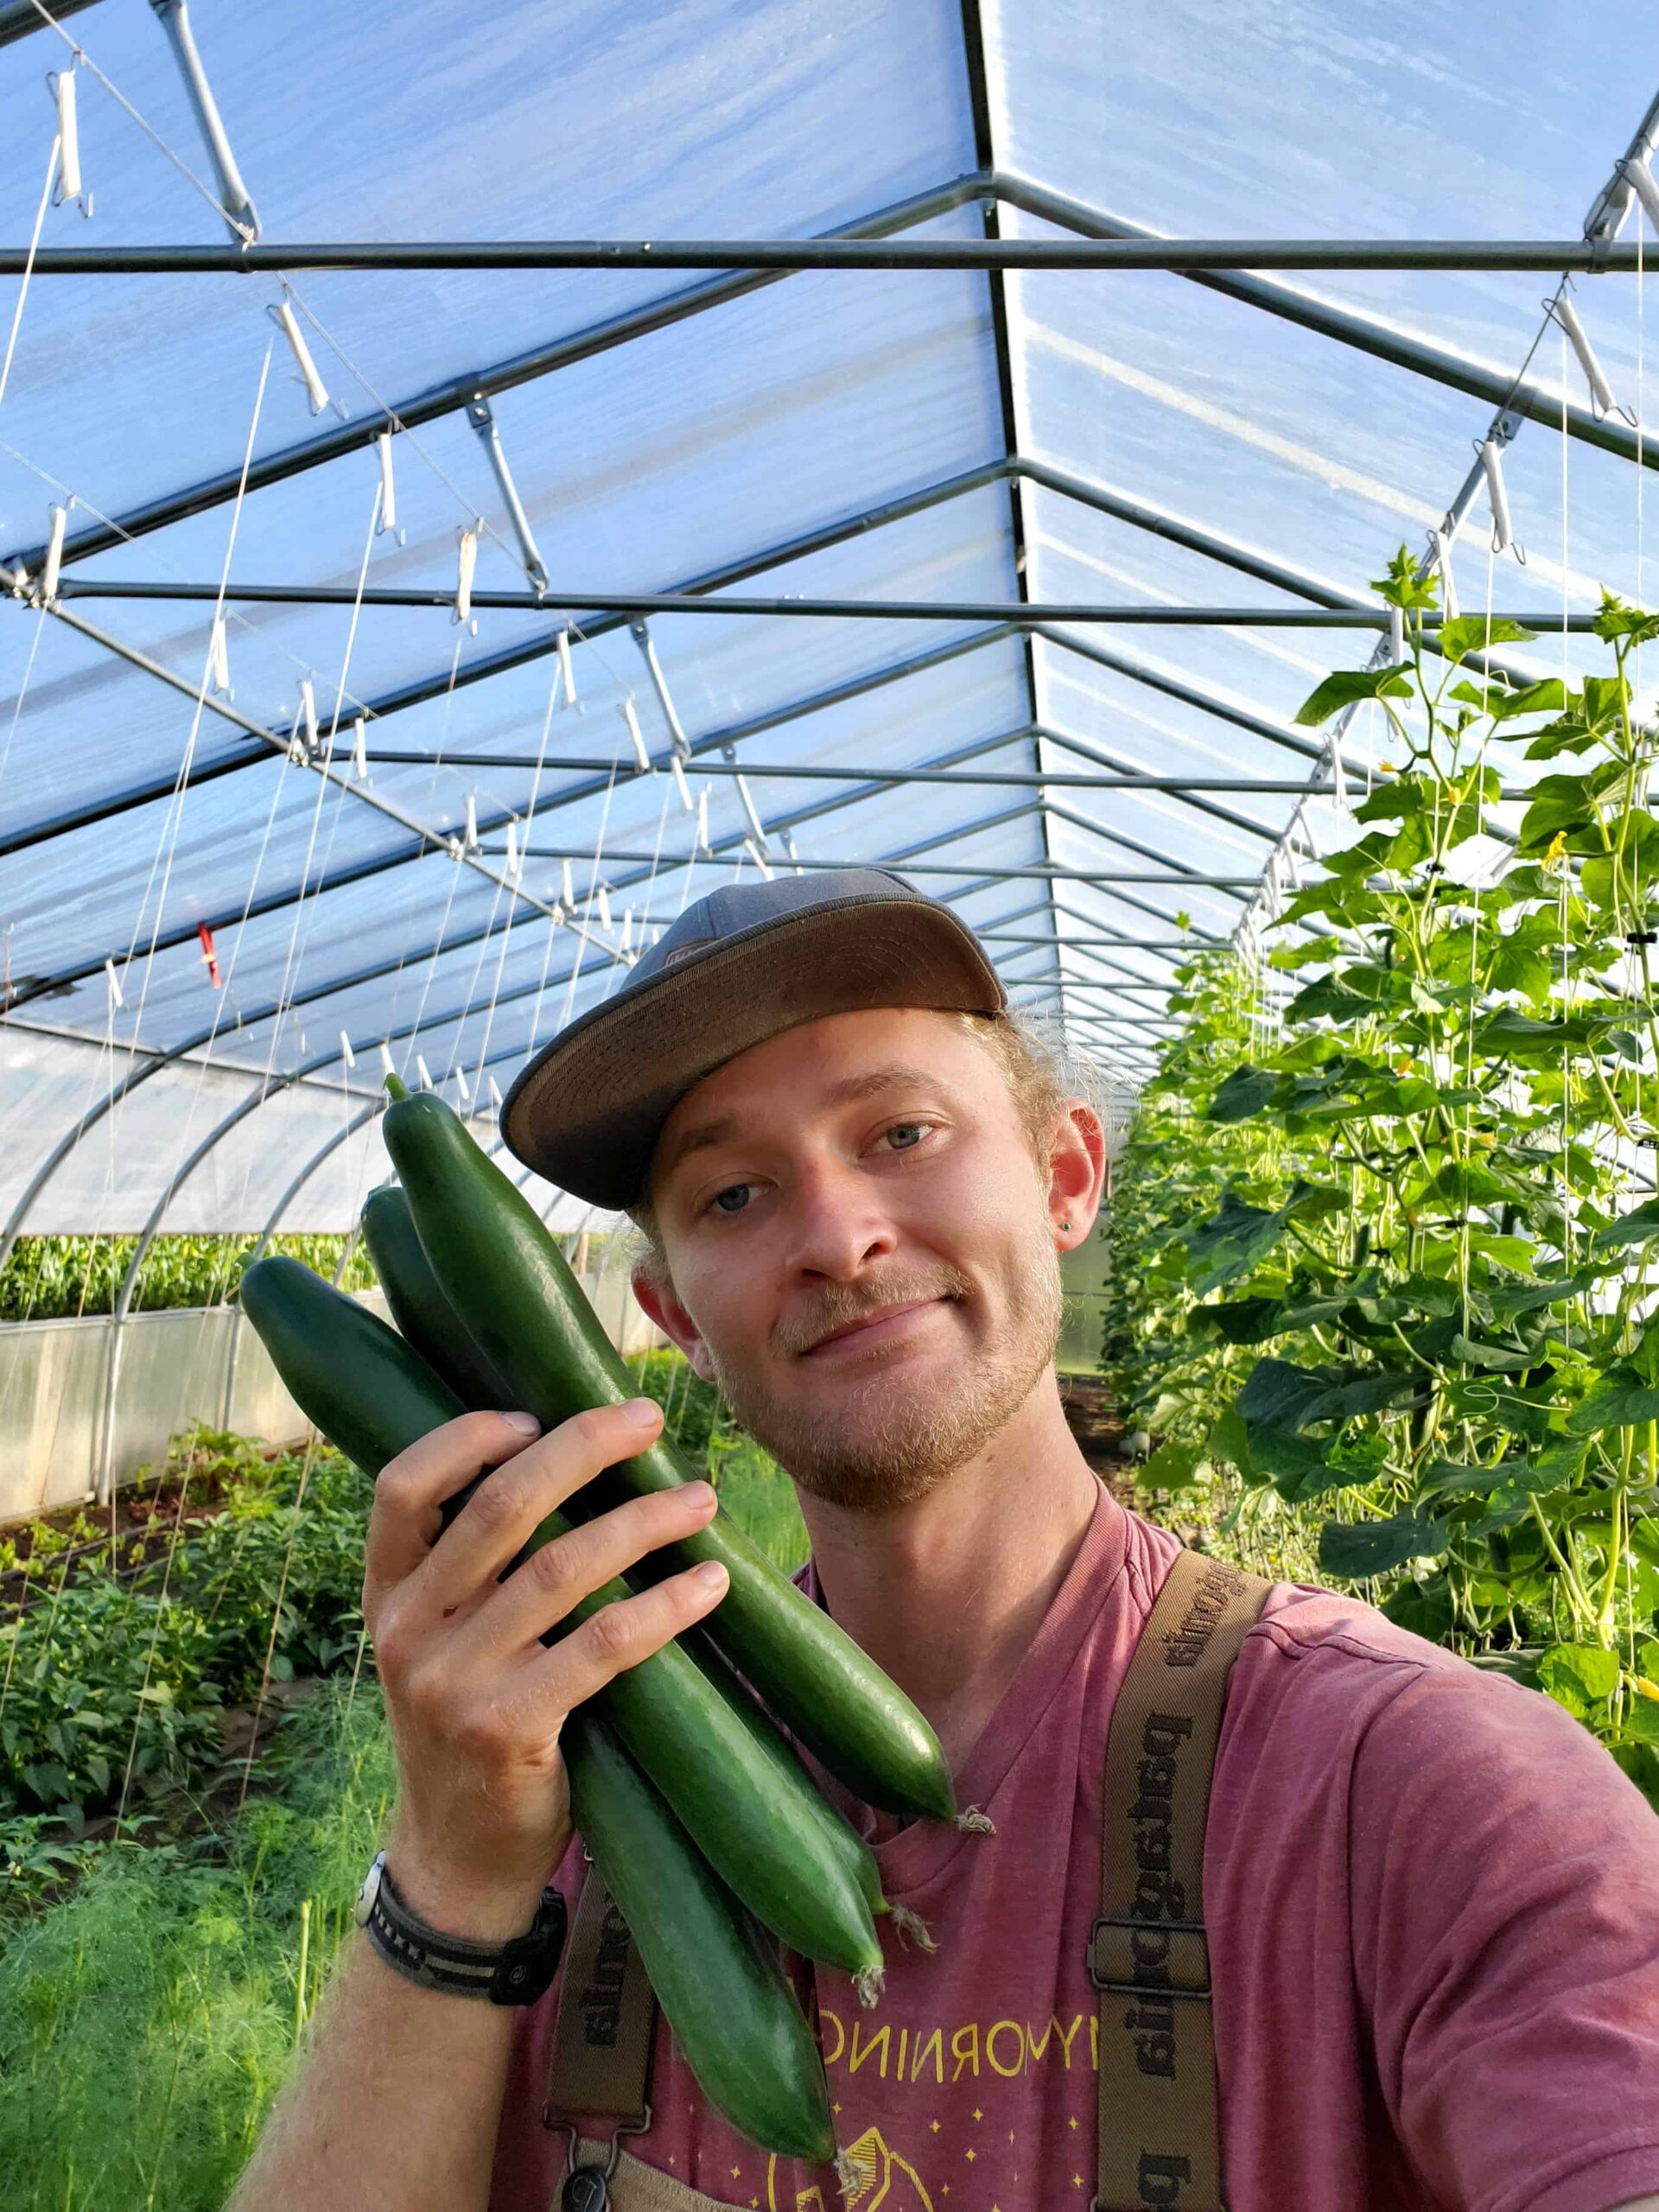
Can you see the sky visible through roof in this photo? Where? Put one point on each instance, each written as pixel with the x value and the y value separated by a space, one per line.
pixel 207 942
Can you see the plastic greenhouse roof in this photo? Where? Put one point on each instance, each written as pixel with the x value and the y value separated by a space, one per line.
pixel 207 941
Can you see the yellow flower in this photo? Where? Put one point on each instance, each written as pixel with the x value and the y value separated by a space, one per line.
pixel 1557 850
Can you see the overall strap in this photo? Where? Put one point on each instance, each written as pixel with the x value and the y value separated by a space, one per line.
pixel 599 2063
pixel 1159 2139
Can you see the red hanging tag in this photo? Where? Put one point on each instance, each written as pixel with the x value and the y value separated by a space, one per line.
pixel 207 952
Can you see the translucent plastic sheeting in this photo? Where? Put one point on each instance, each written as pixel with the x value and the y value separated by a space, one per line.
pixel 428 120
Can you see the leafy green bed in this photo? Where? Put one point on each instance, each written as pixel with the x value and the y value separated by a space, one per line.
pixel 1383 1259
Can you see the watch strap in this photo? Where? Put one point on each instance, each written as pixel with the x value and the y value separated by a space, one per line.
pixel 514 1973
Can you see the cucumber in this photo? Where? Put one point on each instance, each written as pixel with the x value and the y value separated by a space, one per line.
pixel 755 1821
pixel 424 1317
pixel 510 1284
pixel 716 1977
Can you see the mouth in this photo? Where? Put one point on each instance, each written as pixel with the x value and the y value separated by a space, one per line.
pixel 885 1325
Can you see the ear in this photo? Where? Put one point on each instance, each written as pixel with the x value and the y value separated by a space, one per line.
pixel 657 1295
pixel 1076 1172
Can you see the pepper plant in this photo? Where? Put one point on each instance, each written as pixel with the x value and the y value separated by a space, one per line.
pixel 1385 1255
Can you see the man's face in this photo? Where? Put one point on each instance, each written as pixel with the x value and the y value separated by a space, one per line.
pixel 859 1233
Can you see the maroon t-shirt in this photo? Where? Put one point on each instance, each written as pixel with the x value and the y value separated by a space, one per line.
pixel 1433 1903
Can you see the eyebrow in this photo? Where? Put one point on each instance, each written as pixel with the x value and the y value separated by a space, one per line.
pixel 703 1136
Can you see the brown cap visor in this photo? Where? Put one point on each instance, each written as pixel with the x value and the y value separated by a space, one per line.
pixel 586 1111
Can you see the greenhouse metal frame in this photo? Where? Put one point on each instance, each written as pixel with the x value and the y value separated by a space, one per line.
pixel 364 765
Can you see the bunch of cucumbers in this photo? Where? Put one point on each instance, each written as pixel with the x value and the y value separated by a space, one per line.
pixel 706 1827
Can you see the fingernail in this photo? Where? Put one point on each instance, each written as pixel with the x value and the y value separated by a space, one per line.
pixel 698 1497
pixel 643 1413
pixel 526 1424
pixel 710 1576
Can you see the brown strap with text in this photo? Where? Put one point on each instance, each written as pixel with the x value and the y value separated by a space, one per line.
pixel 599 2064
pixel 1160 2110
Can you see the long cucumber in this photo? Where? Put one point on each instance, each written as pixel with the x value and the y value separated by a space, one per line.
pixel 407 1279
pixel 517 1297
pixel 757 1823
pixel 424 1317
pixel 716 1977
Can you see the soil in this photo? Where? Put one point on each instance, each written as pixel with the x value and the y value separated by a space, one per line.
pixel 1092 1416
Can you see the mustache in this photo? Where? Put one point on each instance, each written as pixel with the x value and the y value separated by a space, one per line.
pixel 839 1305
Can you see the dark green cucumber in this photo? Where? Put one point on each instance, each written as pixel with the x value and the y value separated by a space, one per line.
pixel 518 1298
pixel 424 1316
pixel 716 1977
pixel 755 1821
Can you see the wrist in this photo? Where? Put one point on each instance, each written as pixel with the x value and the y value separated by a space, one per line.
pixel 479 1907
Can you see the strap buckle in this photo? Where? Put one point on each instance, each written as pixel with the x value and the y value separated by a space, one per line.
pixel 1136 1967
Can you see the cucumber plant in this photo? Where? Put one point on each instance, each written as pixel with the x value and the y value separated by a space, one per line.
pixel 1384 1252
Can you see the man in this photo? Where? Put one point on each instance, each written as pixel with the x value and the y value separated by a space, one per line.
pixel 1433 1902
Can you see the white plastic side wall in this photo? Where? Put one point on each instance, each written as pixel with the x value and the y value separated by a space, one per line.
pixel 175 1368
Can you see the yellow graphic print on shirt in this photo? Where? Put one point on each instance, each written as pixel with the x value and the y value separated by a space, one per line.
pixel 879 2180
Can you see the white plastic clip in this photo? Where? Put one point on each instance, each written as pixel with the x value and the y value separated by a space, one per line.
pixel 1442 544
pixel 360 750
pixel 461 1085
pixel 1396 635
pixel 514 864
pixel 425 1073
pixel 1491 463
pixel 568 674
pixel 287 323
pixel 466 563
pixel 758 857
pixel 747 798
pixel 683 788
pixel 52 567
pixel 387 484
pixel 1338 778
pixel 638 735
pixel 114 982
pixel 346 1051
pixel 604 897
pixel 568 889
pixel 219 660
pixel 1601 392
pixel 306 732
pixel 627 931
pixel 789 846
pixel 702 822
pixel 496 1099
pixel 470 841
pixel 388 1066
pixel 1645 186
pixel 62 85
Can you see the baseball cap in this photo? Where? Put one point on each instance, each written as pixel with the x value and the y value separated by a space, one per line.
pixel 739 966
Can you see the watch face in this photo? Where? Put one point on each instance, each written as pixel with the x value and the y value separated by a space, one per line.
pixel 369 1891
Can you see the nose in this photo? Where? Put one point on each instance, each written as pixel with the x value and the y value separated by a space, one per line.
pixel 839 1230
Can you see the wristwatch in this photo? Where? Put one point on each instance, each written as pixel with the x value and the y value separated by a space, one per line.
pixel 515 1972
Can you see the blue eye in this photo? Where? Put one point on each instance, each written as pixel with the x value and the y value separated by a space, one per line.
pixel 907 1135
pixel 734 1199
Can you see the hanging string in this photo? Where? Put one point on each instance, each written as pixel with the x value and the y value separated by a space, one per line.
pixel 28 263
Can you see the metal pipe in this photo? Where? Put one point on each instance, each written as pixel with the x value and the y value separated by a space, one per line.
pixel 19 18
pixel 450 397
pixel 236 204
pixel 1441 364
pixel 1013 612
pixel 1056 874
pixel 1134 251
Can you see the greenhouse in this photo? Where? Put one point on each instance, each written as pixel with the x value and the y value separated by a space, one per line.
pixel 1168 484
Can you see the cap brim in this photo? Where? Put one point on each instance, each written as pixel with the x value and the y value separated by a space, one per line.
pixel 586 1112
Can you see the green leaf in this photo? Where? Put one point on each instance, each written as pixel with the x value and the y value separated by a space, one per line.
pixel 1228 1246
pixel 1353 1550
pixel 1244 1093
pixel 1172 1466
pixel 1620 1400
pixel 1237 1320
pixel 1504 1358
pixel 1473 633
pixel 1547 697
pixel 1636 1227
pixel 1347 687
pixel 1579 1676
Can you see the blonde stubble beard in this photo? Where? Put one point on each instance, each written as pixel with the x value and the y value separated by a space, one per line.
pixel 885 1446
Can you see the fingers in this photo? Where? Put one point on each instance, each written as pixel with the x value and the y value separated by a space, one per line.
pixel 552 1582
pixel 511 1504
pixel 619 1637
pixel 403 1517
